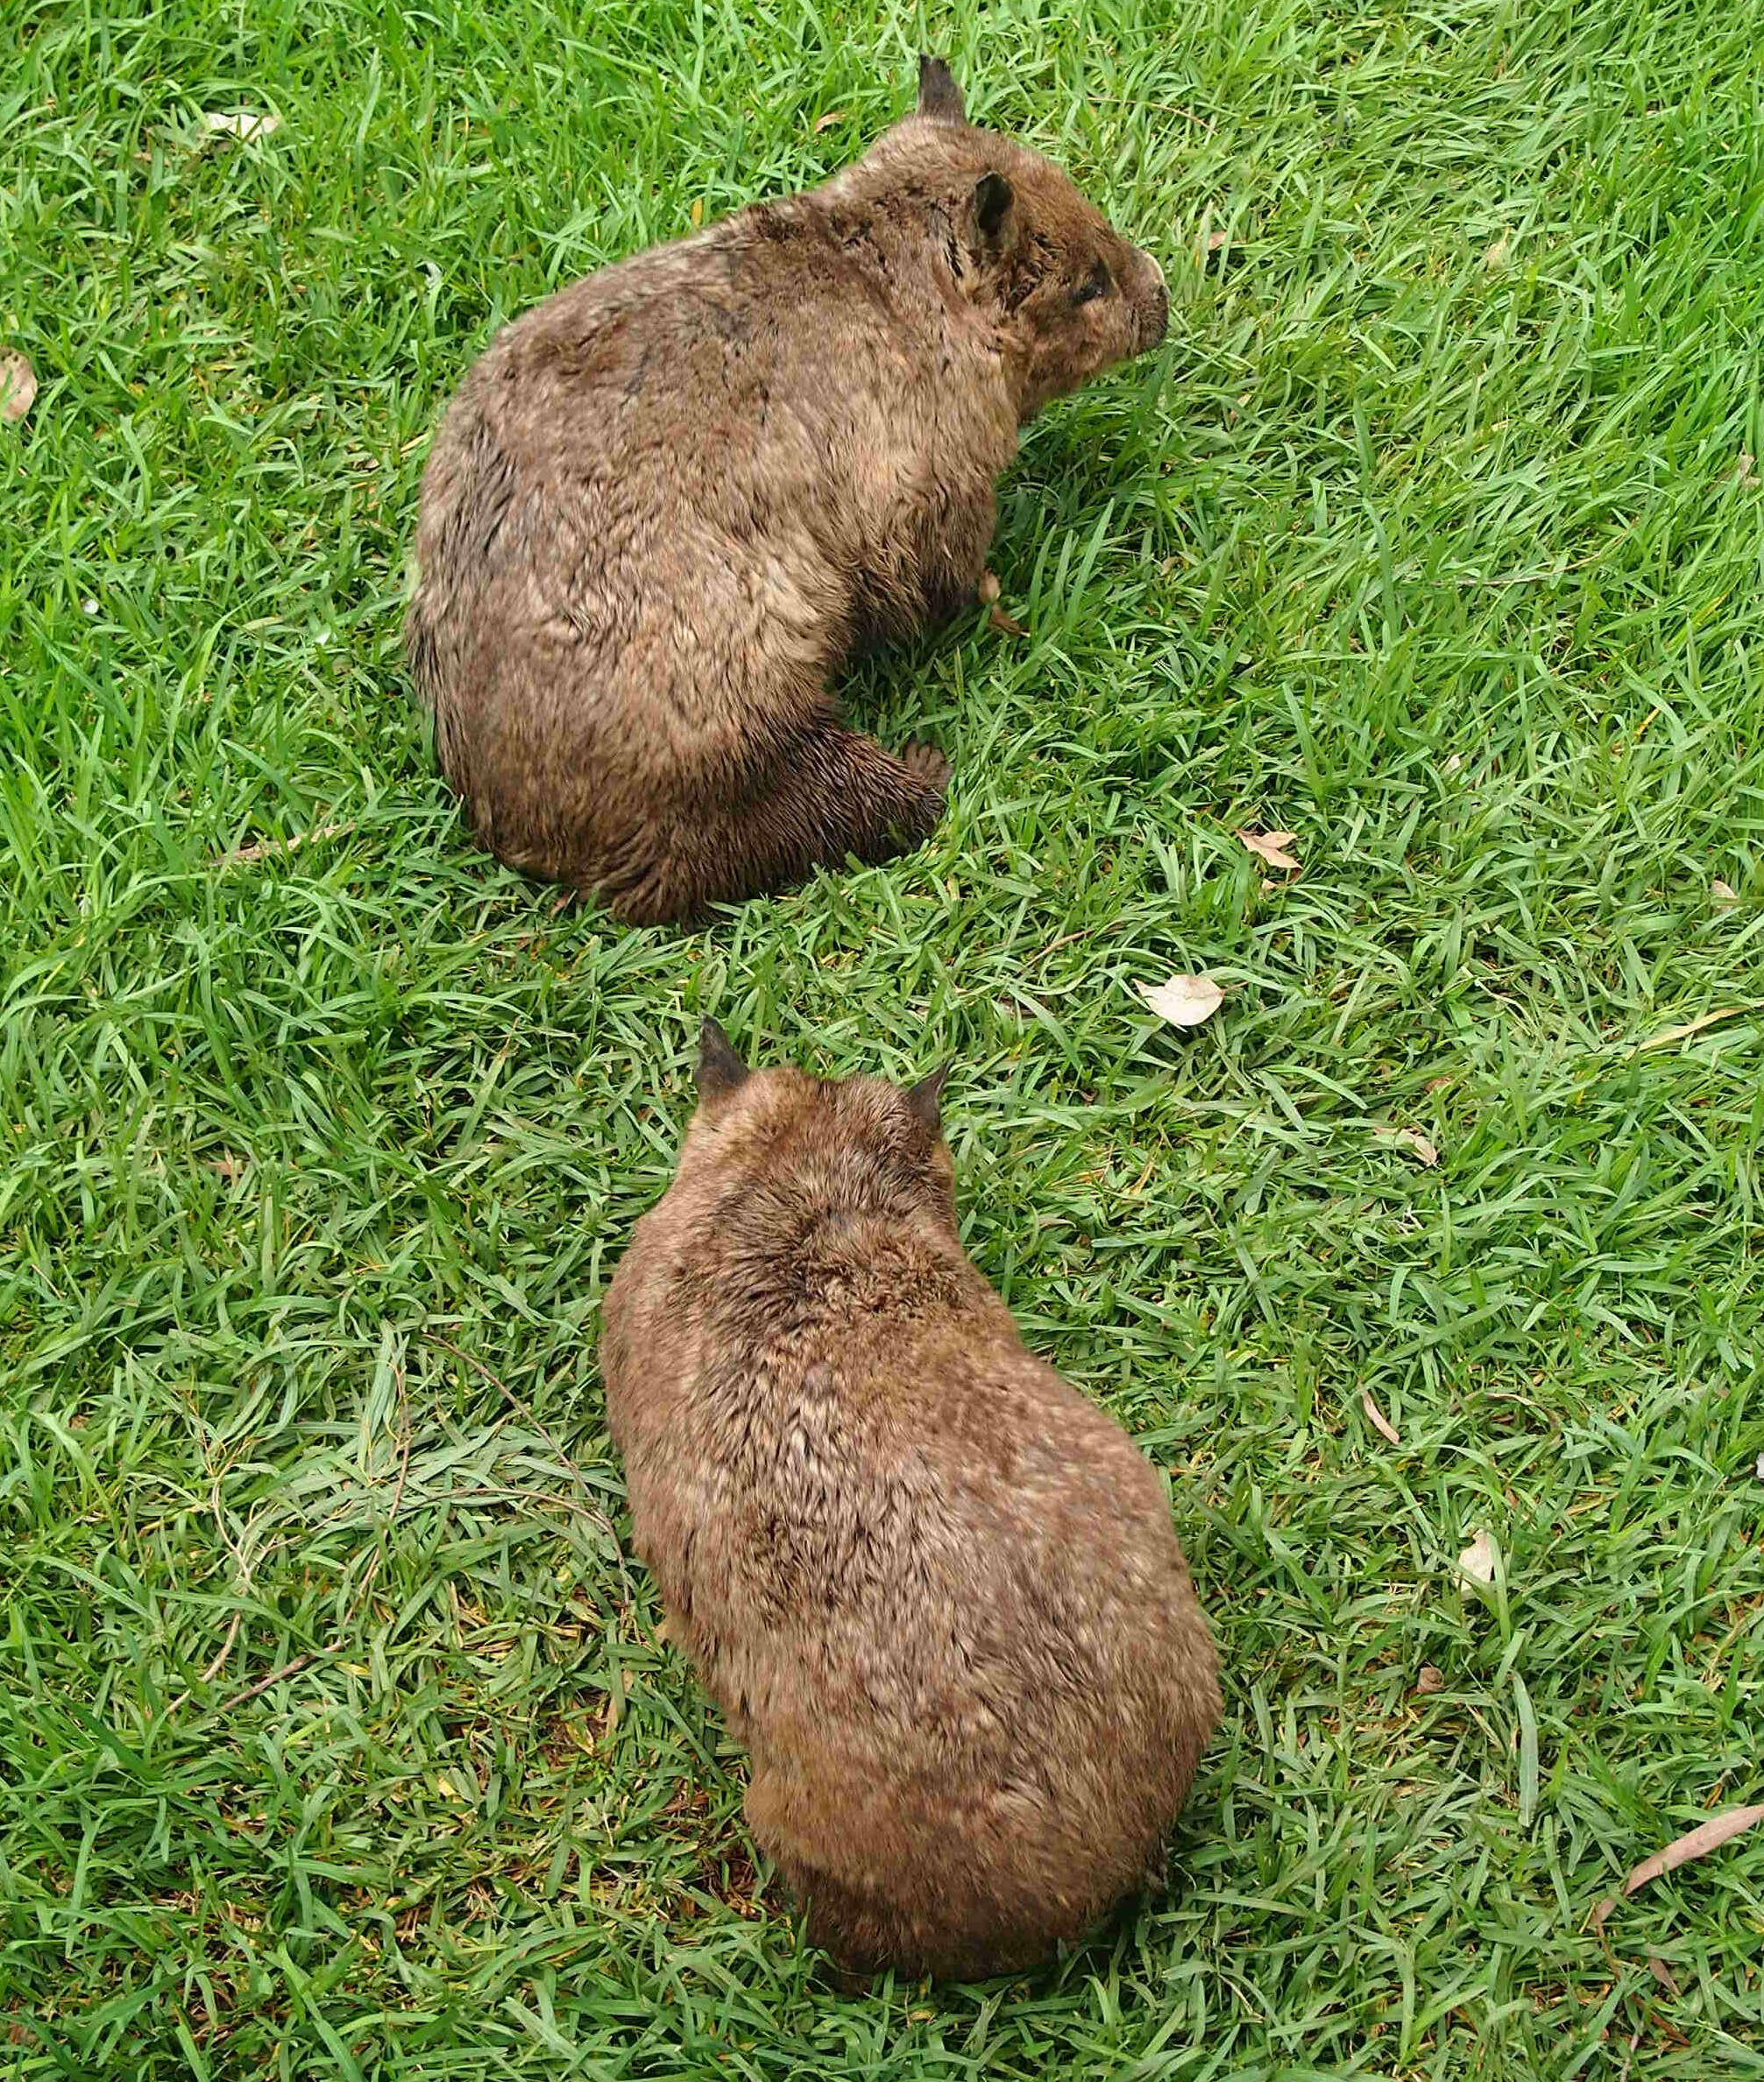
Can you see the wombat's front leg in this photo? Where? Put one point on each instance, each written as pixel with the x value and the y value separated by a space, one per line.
pixel 925 568
pixel 952 550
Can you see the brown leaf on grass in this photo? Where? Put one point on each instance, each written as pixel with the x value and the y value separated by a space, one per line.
pixel 826 122
pixel 1480 1559
pixel 1743 471
pixel 1684 1032
pixel 1723 892
pixel 1380 1423
pixel 1184 1001
pixel 18 387
pixel 1271 847
pixel 1662 1974
pixel 1006 623
pixel 1215 239
pixel 988 589
pixel 1695 1842
pixel 1430 1678
pixel 1495 259
pixel 1412 1139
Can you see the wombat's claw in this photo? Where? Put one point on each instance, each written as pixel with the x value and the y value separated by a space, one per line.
pixel 926 762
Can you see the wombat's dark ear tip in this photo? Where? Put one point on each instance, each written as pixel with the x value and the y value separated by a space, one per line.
pixel 939 94
pixel 924 1100
pixel 720 1069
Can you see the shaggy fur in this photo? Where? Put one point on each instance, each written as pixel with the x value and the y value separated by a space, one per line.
pixel 935 1592
pixel 672 499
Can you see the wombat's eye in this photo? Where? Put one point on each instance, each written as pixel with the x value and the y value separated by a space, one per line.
pixel 1095 284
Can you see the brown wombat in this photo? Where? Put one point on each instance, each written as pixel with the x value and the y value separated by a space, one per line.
pixel 935 1592
pixel 670 500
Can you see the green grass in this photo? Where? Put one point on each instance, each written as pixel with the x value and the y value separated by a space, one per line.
pixel 335 1738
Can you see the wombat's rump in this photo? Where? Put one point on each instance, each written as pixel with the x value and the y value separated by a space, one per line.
pixel 670 500
pixel 935 1590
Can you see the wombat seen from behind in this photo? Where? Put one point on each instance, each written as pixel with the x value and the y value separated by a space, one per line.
pixel 935 1592
pixel 669 500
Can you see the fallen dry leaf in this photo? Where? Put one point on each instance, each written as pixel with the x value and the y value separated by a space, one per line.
pixel 244 124
pixel 1760 1467
pixel 1215 239
pixel 1412 1139
pixel 988 588
pixel 1723 892
pixel 1271 847
pixel 1683 1033
pixel 1696 1843
pixel 1480 1559
pixel 1184 1001
pixel 826 122
pixel 1455 762
pixel 1380 1422
pixel 1495 259
pixel 1430 1678
pixel 1662 1974
pixel 1744 470
pixel 1008 623
pixel 18 387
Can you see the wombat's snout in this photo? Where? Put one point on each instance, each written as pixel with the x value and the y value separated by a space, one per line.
pixel 1151 306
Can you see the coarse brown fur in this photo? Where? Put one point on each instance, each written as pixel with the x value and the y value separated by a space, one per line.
pixel 668 501
pixel 936 1591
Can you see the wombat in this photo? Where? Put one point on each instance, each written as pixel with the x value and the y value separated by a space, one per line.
pixel 669 500
pixel 936 1592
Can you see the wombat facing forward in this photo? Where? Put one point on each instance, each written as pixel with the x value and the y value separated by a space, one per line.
pixel 670 500
pixel 935 1592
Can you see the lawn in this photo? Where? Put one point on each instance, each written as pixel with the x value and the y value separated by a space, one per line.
pixel 335 1738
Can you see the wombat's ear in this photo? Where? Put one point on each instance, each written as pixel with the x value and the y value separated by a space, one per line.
pixel 992 214
pixel 939 94
pixel 922 1100
pixel 720 1069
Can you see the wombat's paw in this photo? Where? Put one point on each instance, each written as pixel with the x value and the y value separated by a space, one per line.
pixel 926 763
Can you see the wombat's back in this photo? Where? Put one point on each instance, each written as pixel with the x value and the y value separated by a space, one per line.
pixel 937 1591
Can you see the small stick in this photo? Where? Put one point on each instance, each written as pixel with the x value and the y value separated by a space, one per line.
pixel 251 1691
pixel 249 855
